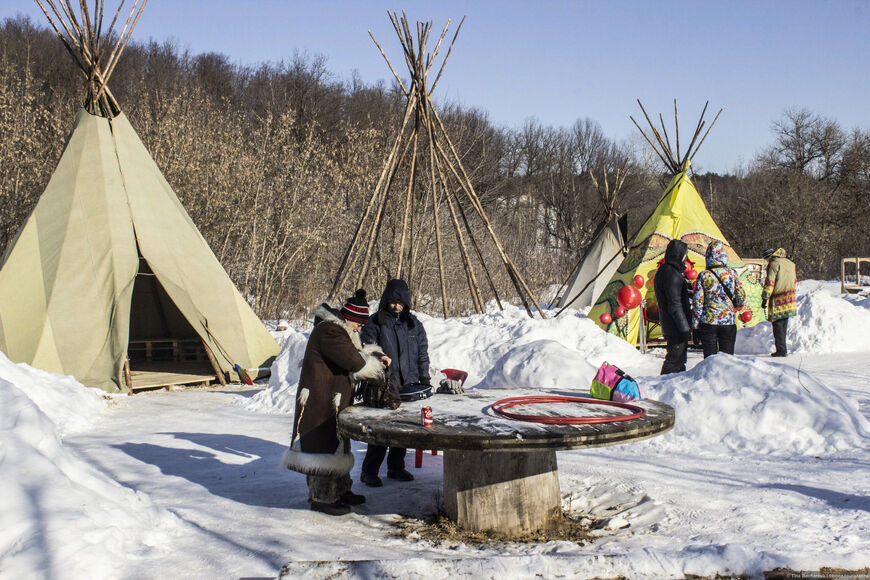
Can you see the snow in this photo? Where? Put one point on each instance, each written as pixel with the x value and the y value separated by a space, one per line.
pixel 768 465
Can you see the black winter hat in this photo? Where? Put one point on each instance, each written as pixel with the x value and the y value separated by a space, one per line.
pixel 356 309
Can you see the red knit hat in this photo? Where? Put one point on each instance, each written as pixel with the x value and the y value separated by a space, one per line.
pixel 356 309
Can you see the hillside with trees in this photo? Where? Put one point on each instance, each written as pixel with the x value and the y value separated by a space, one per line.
pixel 275 163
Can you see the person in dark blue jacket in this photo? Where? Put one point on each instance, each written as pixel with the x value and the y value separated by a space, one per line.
pixel 403 339
pixel 672 296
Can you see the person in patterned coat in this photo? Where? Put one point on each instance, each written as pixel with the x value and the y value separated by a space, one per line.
pixel 778 296
pixel 718 294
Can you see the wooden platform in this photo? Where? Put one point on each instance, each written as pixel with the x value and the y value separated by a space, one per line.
pixel 153 375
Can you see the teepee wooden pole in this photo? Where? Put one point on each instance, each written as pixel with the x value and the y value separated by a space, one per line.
pixel 349 258
pixel 695 135
pixel 389 64
pixel 378 219
pixel 654 148
pixel 460 240
pixel 446 56
pixel 116 55
pixel 469 190
pixel 708 131
pixel 408 198
pixel 677 129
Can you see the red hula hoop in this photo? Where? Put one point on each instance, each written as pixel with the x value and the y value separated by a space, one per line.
pixel 499 408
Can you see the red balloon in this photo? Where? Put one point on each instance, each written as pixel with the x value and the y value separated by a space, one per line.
pixel 629 297
pixel 691 273
pixel 746 315
pixel 605 318
pixel 639 281
pixel 619 312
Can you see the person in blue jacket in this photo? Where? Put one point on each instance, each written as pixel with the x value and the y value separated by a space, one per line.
pixel 403 339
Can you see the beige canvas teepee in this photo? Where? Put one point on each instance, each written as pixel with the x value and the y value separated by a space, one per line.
pixel 109 255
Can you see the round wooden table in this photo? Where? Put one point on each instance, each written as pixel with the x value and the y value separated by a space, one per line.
pixel 500 474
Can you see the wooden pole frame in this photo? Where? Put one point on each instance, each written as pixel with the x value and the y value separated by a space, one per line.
pixel 447 179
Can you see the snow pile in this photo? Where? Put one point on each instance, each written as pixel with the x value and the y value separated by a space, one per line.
pixel 510 349
pixel 280 396
pixel 497 349
pixel 66 403
pixel 757 406
pixel 60 517
pixel 825 322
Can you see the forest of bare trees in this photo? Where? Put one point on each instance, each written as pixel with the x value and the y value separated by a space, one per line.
pixel 275 163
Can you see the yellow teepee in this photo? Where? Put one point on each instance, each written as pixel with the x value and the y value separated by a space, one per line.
pixel 680 214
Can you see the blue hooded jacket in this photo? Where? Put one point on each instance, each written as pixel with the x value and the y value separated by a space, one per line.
pixel 401 337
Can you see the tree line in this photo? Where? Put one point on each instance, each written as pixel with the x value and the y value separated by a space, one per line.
pixel 275 164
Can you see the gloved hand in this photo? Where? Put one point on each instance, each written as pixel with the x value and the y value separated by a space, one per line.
pixel 764 304
pixel 450 387
pixel 425 381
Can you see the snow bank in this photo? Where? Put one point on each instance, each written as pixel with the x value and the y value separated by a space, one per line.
pixel 757 406
pixel 825 322
pixel 497 349
pixel 68 405
pixel 60 517
pixel 280 395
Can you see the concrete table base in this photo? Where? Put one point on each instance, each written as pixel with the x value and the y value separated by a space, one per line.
pixel 503 491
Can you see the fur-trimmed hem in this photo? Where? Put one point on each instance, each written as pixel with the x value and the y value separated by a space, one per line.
pixel 338 463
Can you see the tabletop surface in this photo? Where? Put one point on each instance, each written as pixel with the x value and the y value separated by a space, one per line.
pixel 467 422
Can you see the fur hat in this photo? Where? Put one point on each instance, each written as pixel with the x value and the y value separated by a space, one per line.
pixel 356 308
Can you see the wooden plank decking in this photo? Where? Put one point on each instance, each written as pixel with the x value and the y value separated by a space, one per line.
pixel 170 374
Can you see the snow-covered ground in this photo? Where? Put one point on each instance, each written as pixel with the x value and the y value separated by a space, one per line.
pixel 768 466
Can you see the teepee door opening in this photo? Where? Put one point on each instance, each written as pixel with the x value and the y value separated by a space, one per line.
pixel 164 349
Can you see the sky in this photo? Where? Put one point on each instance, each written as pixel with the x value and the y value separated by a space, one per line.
pixel 560 61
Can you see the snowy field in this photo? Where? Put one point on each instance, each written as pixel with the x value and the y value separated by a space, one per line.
pixel 768 466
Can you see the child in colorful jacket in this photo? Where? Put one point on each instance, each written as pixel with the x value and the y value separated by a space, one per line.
pixel 779 293
pixel 713 311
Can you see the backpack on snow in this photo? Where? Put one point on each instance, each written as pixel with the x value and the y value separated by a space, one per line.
pixel 612 384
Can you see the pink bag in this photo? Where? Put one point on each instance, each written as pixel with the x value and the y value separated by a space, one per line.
pixel 612 384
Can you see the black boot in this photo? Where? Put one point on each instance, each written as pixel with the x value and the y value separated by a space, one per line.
pixel 370 480
pixel 400 475
pixel 351 498
pixel 332 509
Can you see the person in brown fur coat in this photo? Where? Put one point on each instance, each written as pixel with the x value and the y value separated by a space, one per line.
pixel 334 360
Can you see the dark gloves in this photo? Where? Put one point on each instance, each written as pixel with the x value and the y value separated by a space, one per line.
pixel 763 304
pixel 425 381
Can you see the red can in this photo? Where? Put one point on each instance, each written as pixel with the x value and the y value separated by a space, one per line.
pixel 426 416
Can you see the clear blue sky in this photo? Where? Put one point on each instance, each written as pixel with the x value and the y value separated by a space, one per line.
pixel 559 61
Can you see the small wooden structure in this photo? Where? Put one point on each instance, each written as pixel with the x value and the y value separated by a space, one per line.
pixel 436 179
pixel 500 475
pixel 851 281
pixel 169 363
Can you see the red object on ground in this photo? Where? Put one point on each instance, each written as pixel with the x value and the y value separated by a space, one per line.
pixel 455 375
pixel 499 408
pixel 628 297
pixel 746 315
pixel 691 274
pixel 605 318
pixel 619 312
pixel 639 281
